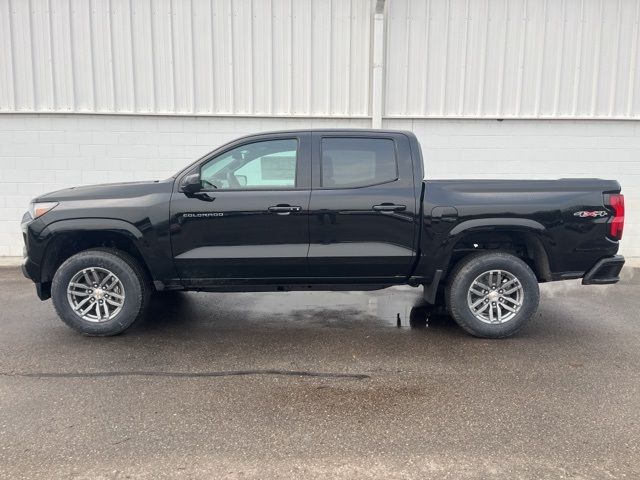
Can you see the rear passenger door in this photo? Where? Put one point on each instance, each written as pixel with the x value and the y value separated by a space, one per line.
pixel 363 209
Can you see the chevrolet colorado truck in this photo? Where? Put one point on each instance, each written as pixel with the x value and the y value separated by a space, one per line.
pixel 321 210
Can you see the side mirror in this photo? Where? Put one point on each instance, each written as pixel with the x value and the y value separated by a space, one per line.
pixel 191 184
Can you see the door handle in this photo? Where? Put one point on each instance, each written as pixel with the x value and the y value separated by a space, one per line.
pixel 389 207
pixel 284 209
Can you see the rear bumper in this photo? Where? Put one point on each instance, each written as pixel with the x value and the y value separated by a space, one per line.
pixel 606 270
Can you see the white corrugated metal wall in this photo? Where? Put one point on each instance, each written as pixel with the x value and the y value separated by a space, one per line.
pixel 513 59
pixel 444 58
pixel 138 69
pixel 209 57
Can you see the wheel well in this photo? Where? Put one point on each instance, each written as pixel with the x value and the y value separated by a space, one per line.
pixel 524 245
pixel 67 244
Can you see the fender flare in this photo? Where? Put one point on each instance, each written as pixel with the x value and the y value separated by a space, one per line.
pixel 532 228
pixel 487 223
pixel 93 225
pixel 113 225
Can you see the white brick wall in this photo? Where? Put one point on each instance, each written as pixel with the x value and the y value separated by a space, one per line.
pixel 40 153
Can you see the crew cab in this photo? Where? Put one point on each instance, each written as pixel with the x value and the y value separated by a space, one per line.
pixel 321 210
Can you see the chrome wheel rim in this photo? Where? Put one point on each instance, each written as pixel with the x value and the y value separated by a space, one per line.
pixel 495 296
pixel 96 294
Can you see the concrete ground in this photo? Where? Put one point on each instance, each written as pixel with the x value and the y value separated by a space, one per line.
pixel 322 385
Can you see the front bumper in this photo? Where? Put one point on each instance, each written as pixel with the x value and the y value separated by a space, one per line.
pixel 32 250
pixel 605 271
pixel 30 269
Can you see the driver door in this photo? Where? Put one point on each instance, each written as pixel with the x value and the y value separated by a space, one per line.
pixel 249 221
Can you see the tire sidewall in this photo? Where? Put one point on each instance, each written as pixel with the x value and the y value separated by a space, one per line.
pixel 126 274
pixel 474 267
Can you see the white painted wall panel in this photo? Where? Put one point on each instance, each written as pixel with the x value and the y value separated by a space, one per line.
pixel 209 57
pixel 513 59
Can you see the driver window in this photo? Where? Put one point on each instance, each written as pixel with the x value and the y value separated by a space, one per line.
pixel 269 164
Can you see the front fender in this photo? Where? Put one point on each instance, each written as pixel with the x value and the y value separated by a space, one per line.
pixel 53 236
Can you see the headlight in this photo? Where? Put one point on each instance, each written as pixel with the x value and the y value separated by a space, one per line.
pixel 40 208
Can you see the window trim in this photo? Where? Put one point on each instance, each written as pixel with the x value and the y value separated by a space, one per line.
pixel 257 189
pixel 395 157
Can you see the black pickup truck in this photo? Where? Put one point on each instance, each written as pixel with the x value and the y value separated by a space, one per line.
pixel 321 210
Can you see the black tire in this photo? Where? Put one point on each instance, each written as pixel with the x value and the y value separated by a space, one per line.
pixel 475 265
pixel 125 267
pixel 418 317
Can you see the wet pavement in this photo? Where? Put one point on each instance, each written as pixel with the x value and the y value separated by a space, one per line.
pixel 322 385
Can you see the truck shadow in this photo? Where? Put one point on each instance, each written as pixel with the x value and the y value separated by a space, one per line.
pixel 317 310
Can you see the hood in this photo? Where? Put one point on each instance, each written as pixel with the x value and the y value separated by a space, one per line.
pixel 107 191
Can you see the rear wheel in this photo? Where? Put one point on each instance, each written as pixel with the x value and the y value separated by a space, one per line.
pixel 100 292
pixel 492 295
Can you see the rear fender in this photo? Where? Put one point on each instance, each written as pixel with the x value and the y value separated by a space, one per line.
pixel 529 231
pixel 438 253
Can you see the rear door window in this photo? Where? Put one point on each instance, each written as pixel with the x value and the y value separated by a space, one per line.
pixel 357 162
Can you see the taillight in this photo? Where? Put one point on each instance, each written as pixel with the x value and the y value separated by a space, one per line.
pixel 616 224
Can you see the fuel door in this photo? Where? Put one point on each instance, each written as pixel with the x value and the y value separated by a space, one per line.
pixel 443 218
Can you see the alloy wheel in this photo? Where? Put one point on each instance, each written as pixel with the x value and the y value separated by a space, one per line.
pixel 495 296
pixel 96 294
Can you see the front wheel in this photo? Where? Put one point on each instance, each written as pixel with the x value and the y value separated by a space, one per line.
pixel 99 292
pixel 492 295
